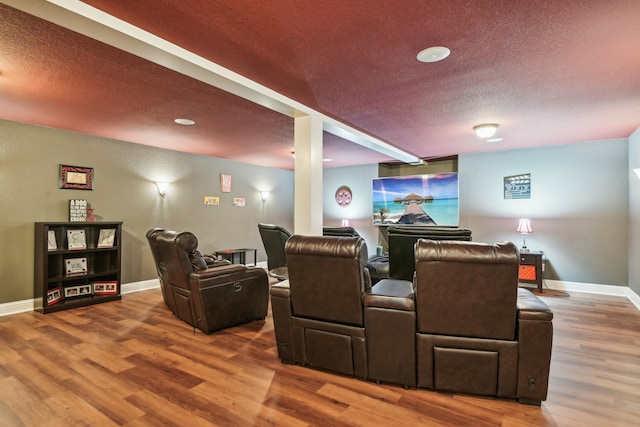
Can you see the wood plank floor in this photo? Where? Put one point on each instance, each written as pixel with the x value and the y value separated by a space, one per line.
pixel 132 363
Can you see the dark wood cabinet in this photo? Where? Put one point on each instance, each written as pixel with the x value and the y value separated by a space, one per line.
pixel 531 268
pixel 76 264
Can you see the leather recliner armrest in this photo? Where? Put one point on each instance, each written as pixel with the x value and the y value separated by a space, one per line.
pixel 218 271
pixel 282 321
pixel 281 289
pixel 392 294
pixel 535 341
pixel 390 325
pixel 530 307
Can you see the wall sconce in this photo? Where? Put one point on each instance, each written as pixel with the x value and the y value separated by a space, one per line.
pixel 524 228
pixel 345 223
pixel 486 130
pixel 265 195
pixel 637 172
pixel 162 187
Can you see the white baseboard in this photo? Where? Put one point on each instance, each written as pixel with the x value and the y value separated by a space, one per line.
pixel 23 306
pixel 590 288
pixel 16 307
pixel 145 285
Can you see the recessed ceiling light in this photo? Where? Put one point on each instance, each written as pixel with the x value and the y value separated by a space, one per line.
pixel 433 54
pixel 185 122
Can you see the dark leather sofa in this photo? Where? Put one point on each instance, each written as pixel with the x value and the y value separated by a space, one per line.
pixel 209 296
pixel 462 326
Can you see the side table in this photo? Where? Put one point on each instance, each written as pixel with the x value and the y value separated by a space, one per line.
pixel 230 254
pixel 531 268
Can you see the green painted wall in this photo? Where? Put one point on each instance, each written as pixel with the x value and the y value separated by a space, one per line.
pixel 125 190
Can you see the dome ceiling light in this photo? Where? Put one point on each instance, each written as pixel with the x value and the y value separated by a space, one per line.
pixel 433 54
pixel 185 122
pixel 486 130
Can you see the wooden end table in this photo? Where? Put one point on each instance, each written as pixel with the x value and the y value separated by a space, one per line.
pixel 531 268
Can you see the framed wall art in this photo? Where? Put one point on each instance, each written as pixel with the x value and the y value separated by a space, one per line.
pixel 105 288
pixel 211 200
pixel 225 183
pixel 52 245
pixel 54 296
pixel 76 177
pixel 78 291
pixel 77 210
pixel 76 266
pixel 106 238
pixel 517 186
pixel 343 196
pixel 76 239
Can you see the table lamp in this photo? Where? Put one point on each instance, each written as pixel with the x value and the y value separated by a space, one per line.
pixel 524 228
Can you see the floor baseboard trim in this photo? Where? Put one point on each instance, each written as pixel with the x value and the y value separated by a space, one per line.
pixel 16 307
pixel 145 285
pixel 591 288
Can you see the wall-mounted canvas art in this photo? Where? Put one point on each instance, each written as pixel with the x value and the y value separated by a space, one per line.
pixel 416 199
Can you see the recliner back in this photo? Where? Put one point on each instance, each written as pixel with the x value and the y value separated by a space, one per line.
pixel 402 240
pixel 274 238
pixel 345 231
pixel 327 277
pixel 466 289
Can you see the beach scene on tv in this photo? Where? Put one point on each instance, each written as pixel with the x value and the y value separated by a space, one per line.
pixel 417 199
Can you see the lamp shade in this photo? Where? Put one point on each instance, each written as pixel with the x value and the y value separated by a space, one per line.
pixel 524 227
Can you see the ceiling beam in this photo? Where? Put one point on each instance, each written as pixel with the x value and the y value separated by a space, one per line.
pixel 94 23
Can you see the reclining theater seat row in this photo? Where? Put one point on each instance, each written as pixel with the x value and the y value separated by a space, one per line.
pixel 462 325
pixel 206 293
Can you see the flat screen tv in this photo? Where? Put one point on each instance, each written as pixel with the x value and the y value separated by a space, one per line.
pixel 417 199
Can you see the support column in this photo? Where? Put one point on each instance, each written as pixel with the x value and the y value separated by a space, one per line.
pixel 308 213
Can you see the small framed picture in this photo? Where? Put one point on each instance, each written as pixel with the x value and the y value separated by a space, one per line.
pixel 76 266
pixel 78 291
pixel 76 177
pixel 106 238
pixel 211 201
pixel 105 288
pixel 54 296
pixel 76 239
pixel 52 245
pixel 225 183
pixel 78 210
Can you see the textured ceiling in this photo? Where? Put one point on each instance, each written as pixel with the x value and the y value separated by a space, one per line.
pixel 549 72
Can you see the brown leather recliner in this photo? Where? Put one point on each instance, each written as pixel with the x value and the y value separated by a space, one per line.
pixel 402 240
pixel 476 331
pixel 343 231
pixel 274 238
pixel 318 313
pixel 209 297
